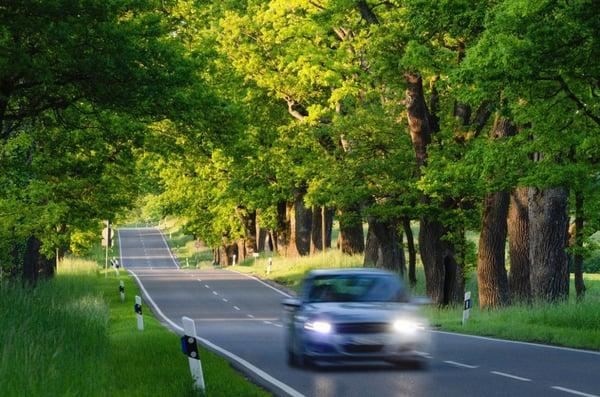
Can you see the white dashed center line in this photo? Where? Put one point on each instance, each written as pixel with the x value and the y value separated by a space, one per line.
pixel 206 285
pixel 236 308
pixel 215 293
pixel 278 325
pixel 510 376
pixel 250 315
pixel 577 393
pixel 461 364
pixel 225 300
pixel 268 322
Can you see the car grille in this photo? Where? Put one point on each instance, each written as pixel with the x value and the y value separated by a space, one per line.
pixel 362 328
pixel 350 348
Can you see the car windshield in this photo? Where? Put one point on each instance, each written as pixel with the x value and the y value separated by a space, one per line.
pixel 356 288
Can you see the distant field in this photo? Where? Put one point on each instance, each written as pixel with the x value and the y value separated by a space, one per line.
pixel 71 336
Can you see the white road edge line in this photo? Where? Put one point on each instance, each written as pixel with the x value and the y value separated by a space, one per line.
pixel 510 376
pixel 461 364
pixel 518 342
pixel 259 372
pixel 260 281
pixel 577 393
pixel 167 245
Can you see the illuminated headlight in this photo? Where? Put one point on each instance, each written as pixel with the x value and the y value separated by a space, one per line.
pixel 407 326
pixel 321 327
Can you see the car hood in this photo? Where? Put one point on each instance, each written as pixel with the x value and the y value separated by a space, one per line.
pixel 359 312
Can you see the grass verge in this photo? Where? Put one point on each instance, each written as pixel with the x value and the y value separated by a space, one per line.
pixel 71 336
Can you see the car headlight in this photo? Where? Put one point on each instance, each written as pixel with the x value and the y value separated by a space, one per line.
pixel 407 326
pixel 322 327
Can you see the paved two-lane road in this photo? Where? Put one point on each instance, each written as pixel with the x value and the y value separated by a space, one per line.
pixel 242 319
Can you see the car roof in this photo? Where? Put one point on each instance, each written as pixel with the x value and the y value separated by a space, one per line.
pixel 350 271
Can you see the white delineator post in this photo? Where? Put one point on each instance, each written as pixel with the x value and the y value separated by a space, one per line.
pixel 466 307
pixel 189 329
pixel 269 265
pixel 138 310
pixel 122 290
pixel 234 258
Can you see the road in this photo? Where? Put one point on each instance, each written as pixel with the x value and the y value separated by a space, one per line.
pixel 240 317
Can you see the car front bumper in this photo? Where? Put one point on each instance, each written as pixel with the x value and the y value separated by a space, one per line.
pixel 382 346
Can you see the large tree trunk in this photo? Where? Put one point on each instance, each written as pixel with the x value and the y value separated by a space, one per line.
pixel 491 266
pixel 548 225
pixel 351 239
pixel 443 276
pixel 300 221
pixel 518 245
pixel 578 245
pixel 31 260
pixel 412 253
pixel 316 236
pixel 383 249
pixel 492 280
pixel 281 236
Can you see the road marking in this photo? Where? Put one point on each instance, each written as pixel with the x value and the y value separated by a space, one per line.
pixel 260 281
pixel 225 300
pixel 510 376
pixel 167 245
pixel 215 293
pixel 278 325
pixel 461 364
pixel 257 371
pixel 577 393
pixel 236 308
pixel 518 342
pixel 424 354
pixel 250 315
pixel 268 322
pixel 206 285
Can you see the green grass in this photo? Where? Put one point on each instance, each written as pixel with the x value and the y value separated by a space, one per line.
pixel 71 336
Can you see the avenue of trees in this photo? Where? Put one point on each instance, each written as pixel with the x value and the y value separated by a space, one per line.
pixel 260 122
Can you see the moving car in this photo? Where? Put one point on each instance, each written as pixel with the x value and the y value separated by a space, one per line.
pixel 354 314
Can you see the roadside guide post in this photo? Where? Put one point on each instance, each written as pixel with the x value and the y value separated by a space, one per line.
pixel 269 265
pixel 187 262
pixel 138 310
pixel 106 242
pixel 255 255
pixel 467 307
pixel 122 290
pixel 189 347
pixel 234 258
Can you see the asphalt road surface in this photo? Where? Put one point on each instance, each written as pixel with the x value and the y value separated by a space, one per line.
pixel 241 318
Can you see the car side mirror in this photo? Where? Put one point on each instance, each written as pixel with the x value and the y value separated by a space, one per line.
pixel 291 304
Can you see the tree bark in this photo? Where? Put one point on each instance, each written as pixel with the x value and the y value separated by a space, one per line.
pixel 383 249
pixel 351 239
pixel 300 223
pixel 412 253
pixel 578 243
pixel 518 245
pixel 443 276
pixel 491 266
pixel 316 236
pixel 31 260
pixel 548 225
pixel 492 280
pixel 281 234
